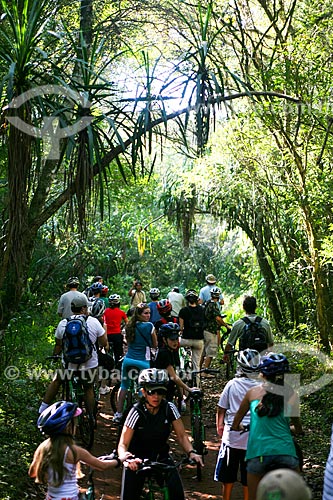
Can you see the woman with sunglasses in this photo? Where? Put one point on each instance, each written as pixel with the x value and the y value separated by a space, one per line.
pixel 140 337
pixel 145 434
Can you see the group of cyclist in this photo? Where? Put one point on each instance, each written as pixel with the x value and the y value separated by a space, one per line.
pixel 147 426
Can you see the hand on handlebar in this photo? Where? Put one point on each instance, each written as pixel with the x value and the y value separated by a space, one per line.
pixel 132 462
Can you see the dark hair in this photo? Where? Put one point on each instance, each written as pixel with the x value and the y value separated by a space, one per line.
pixel 175 289
pixel 131 325
pixel 250 304
pixel 272 404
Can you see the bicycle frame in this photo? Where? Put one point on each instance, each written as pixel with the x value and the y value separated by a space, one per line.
pixel 161 471
pixel 197 427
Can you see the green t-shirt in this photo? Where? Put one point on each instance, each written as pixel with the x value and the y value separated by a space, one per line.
pixel 269 435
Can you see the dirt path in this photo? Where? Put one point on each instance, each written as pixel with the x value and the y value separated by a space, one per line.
pixel 109 483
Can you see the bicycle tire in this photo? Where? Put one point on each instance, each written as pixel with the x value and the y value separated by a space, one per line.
pixel 86 426
pixel 198 435
pixel 114 396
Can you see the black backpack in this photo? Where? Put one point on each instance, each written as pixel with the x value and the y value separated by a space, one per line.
pixel 196 320
pixel 254 336
pixel 76 344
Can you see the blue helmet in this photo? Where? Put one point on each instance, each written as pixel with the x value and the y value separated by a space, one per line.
pixel 169 330
pixel 55 418
pixel 97 287
pixel 273 364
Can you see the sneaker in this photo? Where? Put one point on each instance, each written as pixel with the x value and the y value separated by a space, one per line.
pixel 104 390
pixel 183 407
pixel 117 417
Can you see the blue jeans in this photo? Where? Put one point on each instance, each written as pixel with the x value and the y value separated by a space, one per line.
pixel 262 465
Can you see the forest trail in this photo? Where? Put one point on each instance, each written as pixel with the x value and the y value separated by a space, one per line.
pixel 108 483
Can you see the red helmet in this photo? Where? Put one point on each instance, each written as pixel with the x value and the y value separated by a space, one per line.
pixel 164 306
pixel 105 291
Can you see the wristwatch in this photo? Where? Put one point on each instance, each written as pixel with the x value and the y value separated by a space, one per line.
pixel 191 451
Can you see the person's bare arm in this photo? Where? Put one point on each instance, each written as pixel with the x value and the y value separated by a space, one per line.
pixel 177 380
pixel 184 441
pixel 154 338
pixel 220 414
pixel 94 462
pixel 33 466
pixel 103 341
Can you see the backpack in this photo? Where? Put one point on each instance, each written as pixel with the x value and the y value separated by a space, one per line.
pixel 76 343
pixel 254 336
pixel 210 312
pixel 196 320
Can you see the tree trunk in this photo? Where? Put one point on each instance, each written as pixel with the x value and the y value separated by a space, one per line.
pixel 19 237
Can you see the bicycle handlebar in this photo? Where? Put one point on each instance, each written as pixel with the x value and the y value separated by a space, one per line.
pixel 206 370
pixel 162 466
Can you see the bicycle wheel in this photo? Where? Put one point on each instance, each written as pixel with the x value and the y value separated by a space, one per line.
pixel 114 396
pixel 198 435
pixel 86 426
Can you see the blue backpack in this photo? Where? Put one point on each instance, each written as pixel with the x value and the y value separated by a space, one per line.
pixel 76 344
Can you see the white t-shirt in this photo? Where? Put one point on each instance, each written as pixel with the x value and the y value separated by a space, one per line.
pixel 177 301
pixel 95 330
pixel 230 399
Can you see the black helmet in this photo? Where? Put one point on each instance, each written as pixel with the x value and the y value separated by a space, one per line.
pixel 169 330
pixel 73 281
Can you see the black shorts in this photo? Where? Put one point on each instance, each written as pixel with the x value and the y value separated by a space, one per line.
pixel 230 462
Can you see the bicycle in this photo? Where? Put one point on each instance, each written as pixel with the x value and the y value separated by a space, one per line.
pixel 198 431
pixel 73 390
pixel 157 477
pixel 89 493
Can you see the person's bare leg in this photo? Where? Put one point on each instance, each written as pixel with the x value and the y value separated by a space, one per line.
pixel 245 493
pixel 121 400
pixel 52 391
pixel 207 362
pixel 90 399
pixel 226 490
pixel 252 482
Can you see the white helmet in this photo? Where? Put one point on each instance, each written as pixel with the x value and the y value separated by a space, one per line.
pixel 154 293
pixel 248 360
pixel 153 377
pixel 283 484
pixel 114 298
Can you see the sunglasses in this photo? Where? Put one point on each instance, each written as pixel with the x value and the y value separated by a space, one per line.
pixel 160 392
pixel 142 305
